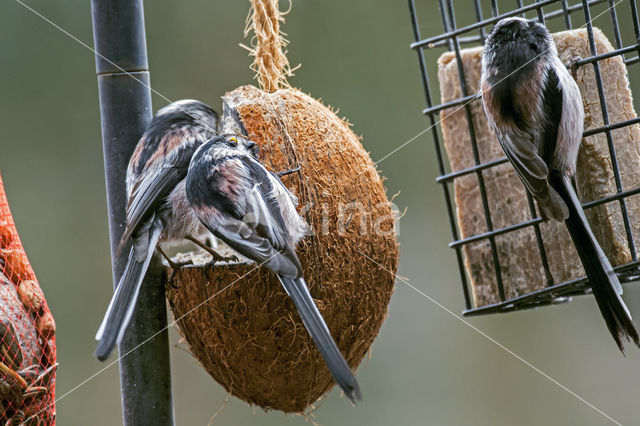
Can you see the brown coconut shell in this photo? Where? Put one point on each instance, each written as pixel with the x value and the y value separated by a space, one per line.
pixel 249 337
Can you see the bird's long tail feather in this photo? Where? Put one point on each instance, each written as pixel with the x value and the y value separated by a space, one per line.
pixel 604 282
pixel 317 328
pixel 124 299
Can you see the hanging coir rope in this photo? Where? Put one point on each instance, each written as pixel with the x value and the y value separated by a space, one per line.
pixel 249 337
pixel 268 45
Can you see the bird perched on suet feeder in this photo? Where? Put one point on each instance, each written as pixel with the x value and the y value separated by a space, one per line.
pixel 495 216
pixel 535 109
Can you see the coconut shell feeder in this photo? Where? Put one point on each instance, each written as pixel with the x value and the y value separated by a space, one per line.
pixel 493 220
pixel 235 317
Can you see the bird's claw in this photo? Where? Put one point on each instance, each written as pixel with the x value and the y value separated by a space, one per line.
pixel 171 280
pixel 219 258
pixel 572 65
pixel 175 267
pixel 288 172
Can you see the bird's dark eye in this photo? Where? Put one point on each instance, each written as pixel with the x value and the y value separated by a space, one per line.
pixel 232 142
pixel 533 47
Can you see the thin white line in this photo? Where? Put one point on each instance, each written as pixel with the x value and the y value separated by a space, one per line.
pixel 382 159
pixel 500 345
pixel 88 379
pixel 205 125
pixel 473 99
pixel 197 119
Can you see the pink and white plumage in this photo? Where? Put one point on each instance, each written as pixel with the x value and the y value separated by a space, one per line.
pixel 535 109
pixel 157 207
pixel 249 208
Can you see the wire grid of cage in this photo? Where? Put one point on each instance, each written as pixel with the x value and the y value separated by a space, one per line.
pixel 27 334
pixel 556 15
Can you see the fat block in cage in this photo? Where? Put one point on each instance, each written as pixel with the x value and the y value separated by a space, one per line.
pixel 520 259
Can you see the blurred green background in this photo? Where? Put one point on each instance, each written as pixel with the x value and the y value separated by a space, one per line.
pixel 426 367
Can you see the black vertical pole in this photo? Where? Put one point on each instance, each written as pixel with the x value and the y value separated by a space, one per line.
pixel 125 111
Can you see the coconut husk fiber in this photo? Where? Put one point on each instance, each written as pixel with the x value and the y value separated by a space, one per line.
pixel 249 337
pixel 519 256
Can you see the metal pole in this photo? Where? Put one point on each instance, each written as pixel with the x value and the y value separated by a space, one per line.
pixel 125 111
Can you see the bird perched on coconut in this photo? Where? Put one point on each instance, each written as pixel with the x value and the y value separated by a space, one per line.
pixel 157 207
pixel 248 207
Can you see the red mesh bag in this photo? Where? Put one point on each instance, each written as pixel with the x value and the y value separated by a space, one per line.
pixel 27 335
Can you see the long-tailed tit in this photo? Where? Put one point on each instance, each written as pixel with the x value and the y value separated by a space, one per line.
pixel 157 208
pixel 535 109
pixel 250 209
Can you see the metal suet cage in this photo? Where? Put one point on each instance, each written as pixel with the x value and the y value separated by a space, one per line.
pixel 624 30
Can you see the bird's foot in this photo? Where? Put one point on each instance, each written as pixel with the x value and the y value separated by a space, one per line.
pixel 572 65
pixel 217 257
pixel 543 216
pixel 288 172
pixel 175 267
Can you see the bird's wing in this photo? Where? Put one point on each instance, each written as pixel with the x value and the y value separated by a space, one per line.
pixel 266 200
pixel 552 104
pixel 529 166
pixel 531 152
pixel 246 241
pixel 252 223
pixel 151 189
